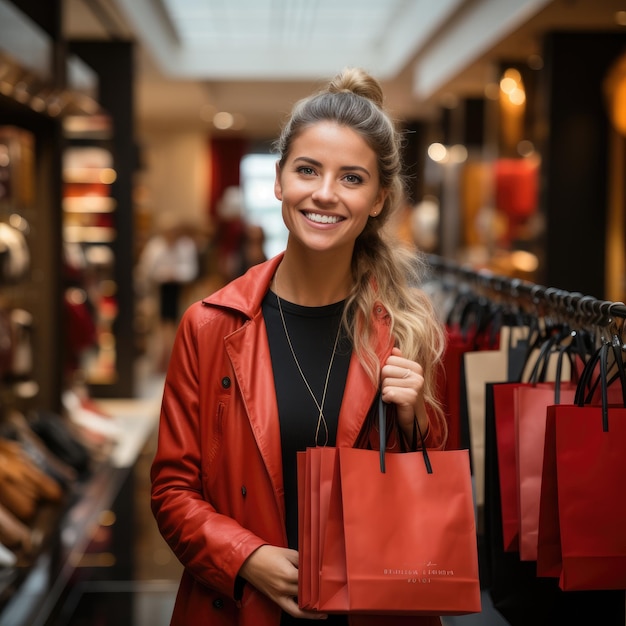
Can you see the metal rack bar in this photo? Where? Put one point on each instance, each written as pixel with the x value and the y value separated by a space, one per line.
pixel 553 299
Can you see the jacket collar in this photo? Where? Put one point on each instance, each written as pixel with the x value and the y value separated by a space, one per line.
pixel 245 294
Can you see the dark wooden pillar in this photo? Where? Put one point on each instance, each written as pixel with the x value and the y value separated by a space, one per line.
pixel 575 157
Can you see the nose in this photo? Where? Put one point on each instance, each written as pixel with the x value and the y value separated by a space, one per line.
pixel 325 192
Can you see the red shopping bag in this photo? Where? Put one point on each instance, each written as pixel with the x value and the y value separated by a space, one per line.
pixel 546 362
pixel 530 406
pixel 584 467
pixel 449 386
pixel 548 527
pixel 400 541
pixel 308 492
pixel 504 414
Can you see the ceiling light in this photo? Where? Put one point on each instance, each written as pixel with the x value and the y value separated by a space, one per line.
pixel 20 92
pixel 508 85
pixel 458 153
pixel 107 176
pixel 38 104
pixel 223 120
pixel 524 261
pixel 517 96
pixel 437 152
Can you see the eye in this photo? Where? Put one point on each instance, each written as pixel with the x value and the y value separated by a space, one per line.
pixel 306 170
pixel 354 179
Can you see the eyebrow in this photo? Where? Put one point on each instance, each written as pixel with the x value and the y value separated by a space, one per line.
pixel 343 168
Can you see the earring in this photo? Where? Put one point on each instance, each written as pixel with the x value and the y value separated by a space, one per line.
pixel 375 213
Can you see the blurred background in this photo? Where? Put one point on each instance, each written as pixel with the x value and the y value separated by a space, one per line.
pixel 136 176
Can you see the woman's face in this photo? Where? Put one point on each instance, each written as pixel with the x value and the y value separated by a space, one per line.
pixel 329 187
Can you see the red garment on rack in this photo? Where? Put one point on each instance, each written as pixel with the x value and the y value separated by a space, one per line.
pixel 450 384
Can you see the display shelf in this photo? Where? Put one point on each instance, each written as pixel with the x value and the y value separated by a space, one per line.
pixel 104 175
pixel 43 199
pixel 88 234
pixel 38 585
pixel 89 204
pixel 96 127
pixel 31 593
pixel 89 221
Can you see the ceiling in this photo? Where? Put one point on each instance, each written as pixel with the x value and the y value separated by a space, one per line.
pixel 254 58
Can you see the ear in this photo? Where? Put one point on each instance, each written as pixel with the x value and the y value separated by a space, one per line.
pixel 379 202
pixel 278 188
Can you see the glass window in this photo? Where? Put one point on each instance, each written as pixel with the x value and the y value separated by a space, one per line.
pixel 261 207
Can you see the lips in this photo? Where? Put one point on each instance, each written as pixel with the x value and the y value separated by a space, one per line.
pixel 319 218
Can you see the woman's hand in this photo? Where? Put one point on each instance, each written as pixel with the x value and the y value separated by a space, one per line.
pixel 274 572
pixel 403 384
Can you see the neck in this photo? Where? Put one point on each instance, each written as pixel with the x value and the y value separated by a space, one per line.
pixel 312 281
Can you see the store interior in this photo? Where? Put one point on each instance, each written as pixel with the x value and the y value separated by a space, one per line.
pixel 120 119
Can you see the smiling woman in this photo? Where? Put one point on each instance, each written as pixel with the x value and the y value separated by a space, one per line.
pixel 329 187
pixel 295 353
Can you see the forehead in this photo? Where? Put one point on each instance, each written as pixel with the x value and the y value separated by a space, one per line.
pixel 331 139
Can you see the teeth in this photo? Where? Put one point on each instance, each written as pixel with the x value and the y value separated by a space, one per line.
pixel 322 219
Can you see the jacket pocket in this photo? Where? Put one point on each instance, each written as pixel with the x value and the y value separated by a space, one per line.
pixel 217 434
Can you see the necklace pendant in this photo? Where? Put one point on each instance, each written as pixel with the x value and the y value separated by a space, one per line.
pixel 321 420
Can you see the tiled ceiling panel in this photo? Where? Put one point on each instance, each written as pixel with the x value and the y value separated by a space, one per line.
pixel 278 23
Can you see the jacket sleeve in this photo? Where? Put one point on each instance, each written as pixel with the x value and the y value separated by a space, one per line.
pixel 211 546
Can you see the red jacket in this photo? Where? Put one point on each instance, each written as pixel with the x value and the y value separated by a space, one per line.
pixel 217 486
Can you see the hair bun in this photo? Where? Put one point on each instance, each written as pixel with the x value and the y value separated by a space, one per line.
pixel 357 81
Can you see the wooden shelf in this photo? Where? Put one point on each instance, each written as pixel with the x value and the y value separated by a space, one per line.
pixel 31 594
pixel 89 204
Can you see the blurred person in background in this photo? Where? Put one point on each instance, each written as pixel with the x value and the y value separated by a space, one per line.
pixel 252 247
pixel 168 262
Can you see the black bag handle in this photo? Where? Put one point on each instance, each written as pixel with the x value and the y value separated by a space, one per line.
pixel 559 372
pixel 616 344
pixel 601 357
pixel 382 428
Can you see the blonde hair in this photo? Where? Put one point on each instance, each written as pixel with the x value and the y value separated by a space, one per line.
pixel 383 270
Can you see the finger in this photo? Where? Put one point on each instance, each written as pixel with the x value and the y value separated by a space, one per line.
pixel 293 557
pixel 291 606
pixel 406 374
pixel 402 369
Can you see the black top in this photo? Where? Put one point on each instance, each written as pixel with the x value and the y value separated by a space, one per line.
pixel 312 331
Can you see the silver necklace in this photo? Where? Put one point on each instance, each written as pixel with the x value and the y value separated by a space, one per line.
pixel 321 420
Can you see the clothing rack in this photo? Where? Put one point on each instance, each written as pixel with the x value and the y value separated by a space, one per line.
pixel 584 308
pixel 445 274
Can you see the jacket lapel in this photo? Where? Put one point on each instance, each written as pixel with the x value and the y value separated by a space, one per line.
pixel 248 350
pixel 249 353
